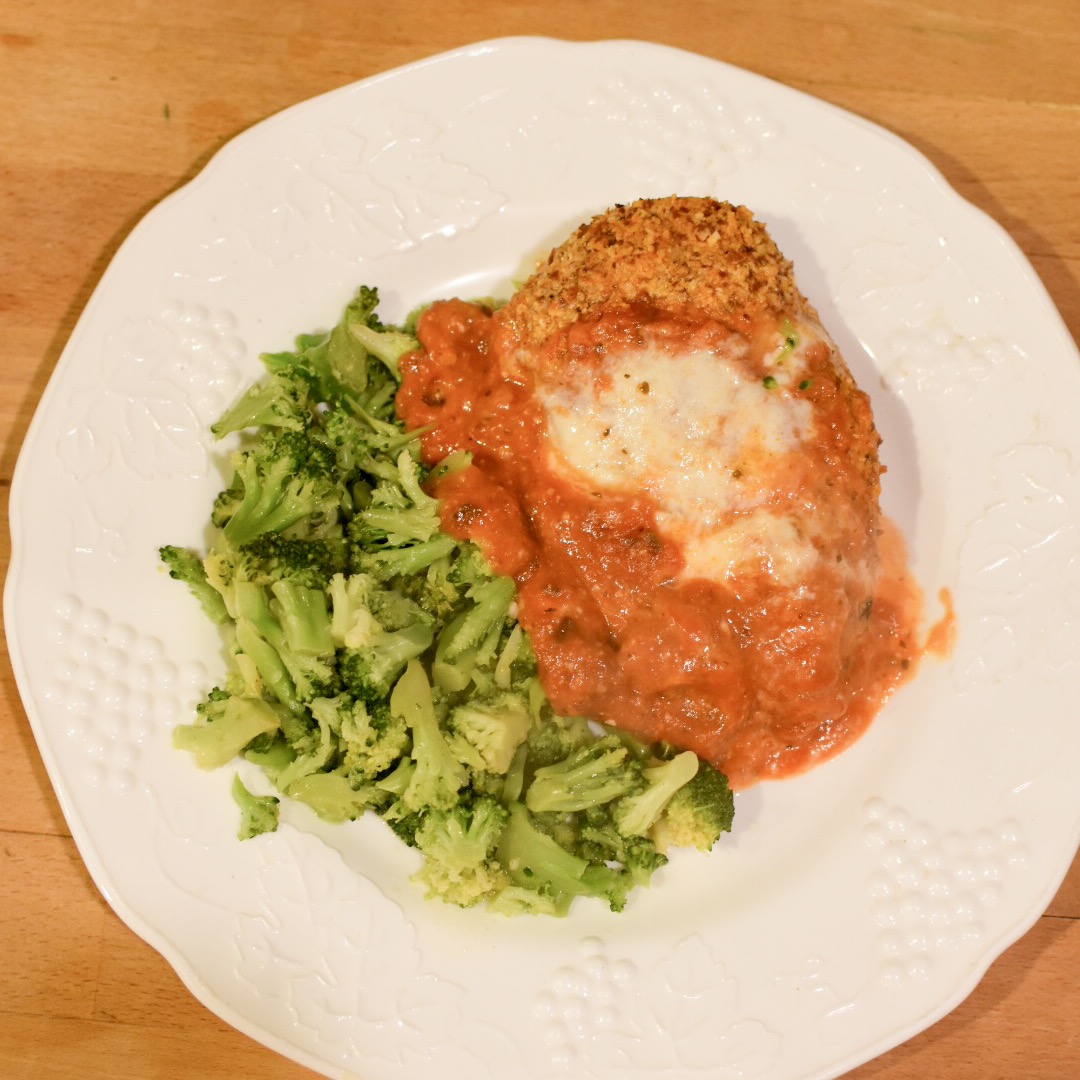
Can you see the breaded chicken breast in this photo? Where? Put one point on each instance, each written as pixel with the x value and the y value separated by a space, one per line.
pixel 673 461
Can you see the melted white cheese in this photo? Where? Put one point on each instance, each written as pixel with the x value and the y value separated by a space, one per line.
pixel 703 438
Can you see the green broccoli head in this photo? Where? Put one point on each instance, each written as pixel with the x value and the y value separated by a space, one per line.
pixel 596 773
pixel 486 735
pixel 284 631
pixel 224 725
pixel 258 813
pixel 468 645
pixel 458 846
pixel 439 776
pixel 274 557
pixel 334 797
pixel 279 401
pixel 399 511
pixel 534 860
pixel 370 672
pixel 698 813
pixel 596 837
pixel 635 814
pixel 185 565
pixel 373 740
pixel 360 439
pixel 286 480
pixel 336 364
pixel 557 738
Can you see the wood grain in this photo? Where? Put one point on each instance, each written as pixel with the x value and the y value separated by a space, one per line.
pixel 111 106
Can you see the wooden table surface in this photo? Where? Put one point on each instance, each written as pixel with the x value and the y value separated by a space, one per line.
pixel 109 106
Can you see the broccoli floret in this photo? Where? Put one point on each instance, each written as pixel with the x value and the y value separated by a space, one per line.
pixel 334 798
pixel 272 754
pixel 597 773
pixel 486 735
pixel 534 860
pixel 258 813
pixel 352 622
pixel 336 363
pixel 279 401
pixel 389 563
pixel 469 568
pixel 458 847
pixel 698 813
pixel 314 746
pixel 358 438
pixel 372 739
pixel 516 900
pixel 596 837
pixel 636 814
pixel 515 660
pixel 400 511
pixel 294 676
pixel 304 618
pixel 252 651
pixel 371 671
pixel 387 344
pixel 273 557
pixel 557 738
pixel 395 610
pixel 471 639
pixel 186 566
pixel 286 479
pixel 371 656
pixel 224 725
pixel 439 776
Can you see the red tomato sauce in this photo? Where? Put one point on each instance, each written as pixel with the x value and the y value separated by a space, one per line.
pixel 761 681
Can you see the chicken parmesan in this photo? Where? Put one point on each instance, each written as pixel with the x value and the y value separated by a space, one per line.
pixel 672 460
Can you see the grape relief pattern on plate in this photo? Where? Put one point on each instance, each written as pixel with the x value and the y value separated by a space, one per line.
pixel 596 1022
pixel 364 195
pixel 356 1001
pixel 931 891
pixel 117 689
pixel 679 137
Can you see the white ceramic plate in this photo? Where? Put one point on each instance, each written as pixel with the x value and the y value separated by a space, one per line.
pixel 851 907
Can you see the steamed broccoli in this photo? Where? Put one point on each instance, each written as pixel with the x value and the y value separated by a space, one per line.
pixel 469 643
pixel 533 859
pixel 334 798
pixel 487 734
pixel 273 556
pixel 286 480
pixel 258 813
pixel 224 725
pixel 698 813
pixel 439 776
pixel 636 814
pixel 372 740
pixel 336 364
pixel 376 664
pixel 599 772
pixel 276 402
pixel 388 344
pixel 371 671
pixel 458 846
pixel 283 619
pixel 186 566
pixel 399 511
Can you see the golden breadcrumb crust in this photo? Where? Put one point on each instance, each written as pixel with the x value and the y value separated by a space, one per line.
pixel 686 256
pixel 680 254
